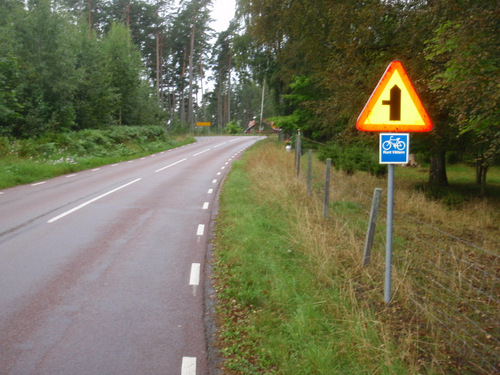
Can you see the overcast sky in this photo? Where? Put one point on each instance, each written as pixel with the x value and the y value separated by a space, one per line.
pixel 222 13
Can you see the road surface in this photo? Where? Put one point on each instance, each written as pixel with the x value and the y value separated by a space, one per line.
pixel 102 271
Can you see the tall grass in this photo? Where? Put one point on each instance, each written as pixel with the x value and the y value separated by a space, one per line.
pixel 294 298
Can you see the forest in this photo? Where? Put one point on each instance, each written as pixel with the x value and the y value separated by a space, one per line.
pixel 68 65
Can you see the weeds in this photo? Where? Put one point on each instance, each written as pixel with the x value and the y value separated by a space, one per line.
pixel 31 160
pixel 306 305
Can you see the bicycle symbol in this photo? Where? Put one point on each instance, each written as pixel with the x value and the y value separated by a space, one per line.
pixel 393 143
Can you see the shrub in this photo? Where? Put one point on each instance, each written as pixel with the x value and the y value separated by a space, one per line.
pixel 352 158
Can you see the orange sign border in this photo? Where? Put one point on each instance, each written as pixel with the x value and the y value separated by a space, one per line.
pixel 394 66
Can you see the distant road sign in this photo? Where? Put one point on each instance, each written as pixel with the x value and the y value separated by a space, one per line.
pixel 394 148
pixel 394 105
pixel 203 124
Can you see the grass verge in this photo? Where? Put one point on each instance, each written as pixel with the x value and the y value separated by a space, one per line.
pixel 293 297
pixel 32 160
pixel 278 311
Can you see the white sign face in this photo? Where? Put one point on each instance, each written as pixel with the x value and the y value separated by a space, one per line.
pixel 394 148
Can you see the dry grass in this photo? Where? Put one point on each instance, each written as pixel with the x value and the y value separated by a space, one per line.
pixel 444 316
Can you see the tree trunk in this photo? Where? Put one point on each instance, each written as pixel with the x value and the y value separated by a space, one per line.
pixel 158 66
pixel 190 98
pixel 90 18
pixel 229 90
pixel 182 110
pixel 437 173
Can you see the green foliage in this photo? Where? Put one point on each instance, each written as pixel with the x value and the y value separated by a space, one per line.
pixel 448 47
pixel 56 77
pixel 34 159
pixel 233 128
pixel 351 158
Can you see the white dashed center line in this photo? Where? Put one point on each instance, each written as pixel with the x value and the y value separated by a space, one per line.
pixel 199 153
pixel 91 201
pixel 171 165
pixel 188 366
pixel 194 278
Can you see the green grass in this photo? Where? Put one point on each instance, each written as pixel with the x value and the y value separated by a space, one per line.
pixel 275 314
pixel 32 160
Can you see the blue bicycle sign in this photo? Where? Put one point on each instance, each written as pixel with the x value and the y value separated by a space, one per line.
pixel 394 148
pixel 394 142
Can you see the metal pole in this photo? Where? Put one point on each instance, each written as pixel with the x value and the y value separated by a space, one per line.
pixel 309 173
pixel 327 188
pixel 371 226
pixel 298 147
pixel 388 246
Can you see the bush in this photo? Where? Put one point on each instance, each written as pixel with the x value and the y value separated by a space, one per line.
pixel 352 158
pixel 233 128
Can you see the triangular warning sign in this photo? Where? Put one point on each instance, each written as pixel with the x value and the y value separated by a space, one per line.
pixel 394 105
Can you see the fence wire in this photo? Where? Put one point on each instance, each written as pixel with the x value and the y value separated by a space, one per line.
pixel 452 282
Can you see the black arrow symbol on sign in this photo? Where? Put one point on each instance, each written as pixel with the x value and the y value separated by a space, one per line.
pixel 394 103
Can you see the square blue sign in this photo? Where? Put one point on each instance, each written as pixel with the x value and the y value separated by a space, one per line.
pixel 394 148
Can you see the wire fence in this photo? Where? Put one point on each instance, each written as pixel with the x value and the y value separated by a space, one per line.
pixel 453 283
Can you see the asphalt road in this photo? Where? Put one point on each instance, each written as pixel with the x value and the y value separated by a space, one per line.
pixel 102 271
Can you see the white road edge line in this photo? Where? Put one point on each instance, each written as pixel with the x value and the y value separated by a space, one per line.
pixel 194 277
pixel 205 205
pixel 71 175
pixel 214 181
pixel 39 183
pixel 201 230
pixel 210 191
pixel 91 201
pixel 199 153
pixel 188 366
pixel 171 165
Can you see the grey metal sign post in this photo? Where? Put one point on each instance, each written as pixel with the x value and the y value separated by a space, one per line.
pixel 394 149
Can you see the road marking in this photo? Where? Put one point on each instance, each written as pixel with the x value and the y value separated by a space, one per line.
pixel 226 163
pixel 95 169
pixel 171 165
pixel 210 191
pixel 220 144
pixel 199 153
pixel 218 173
pixel 194 278
pixel 188 366
pixel 143 158
pixel 214 181
pixel 38 183
pixel 1 192
pixel 222 167
pixel 130 161
pixel 91 201
pixel 205 205
pixel 201 230
pixel 114 165
pixel 71 175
